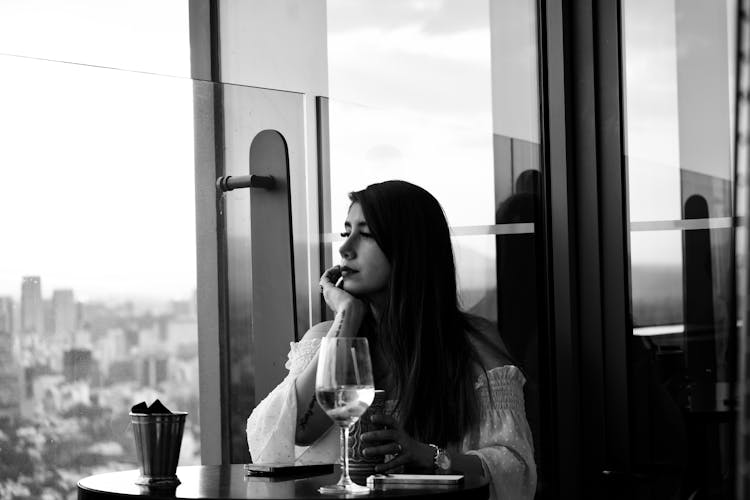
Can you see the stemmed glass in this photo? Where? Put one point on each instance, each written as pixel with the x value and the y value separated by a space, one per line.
pixel 344 389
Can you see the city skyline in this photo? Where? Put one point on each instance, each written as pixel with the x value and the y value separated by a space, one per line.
pixel 68 376
pixel 54 297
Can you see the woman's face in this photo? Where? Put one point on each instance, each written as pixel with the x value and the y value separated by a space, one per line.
pixel 365 268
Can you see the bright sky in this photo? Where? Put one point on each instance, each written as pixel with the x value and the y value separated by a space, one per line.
pixel 97 184
pixel 410 89
pixel 411 98
pixel 97 188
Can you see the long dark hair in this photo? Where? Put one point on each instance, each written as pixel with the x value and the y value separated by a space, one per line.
pixel 422 332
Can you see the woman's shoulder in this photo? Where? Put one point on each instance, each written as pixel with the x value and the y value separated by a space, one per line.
pixel 317 331
pixel 488 344
pixel 502 376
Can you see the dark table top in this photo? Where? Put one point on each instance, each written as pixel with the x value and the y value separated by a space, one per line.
pixel 230 482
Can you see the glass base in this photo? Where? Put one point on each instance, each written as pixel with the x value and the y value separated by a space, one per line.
pixel 350 489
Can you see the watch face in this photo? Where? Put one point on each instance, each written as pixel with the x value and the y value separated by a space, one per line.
pixel 442 460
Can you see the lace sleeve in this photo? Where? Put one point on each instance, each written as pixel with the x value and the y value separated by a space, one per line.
pixel 300 354
pixel 271 425
pixel 504 442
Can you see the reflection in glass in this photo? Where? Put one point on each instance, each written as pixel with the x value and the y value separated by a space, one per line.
pixel 656 278
pixel 679 66
pixel 742 203
pixel 97 276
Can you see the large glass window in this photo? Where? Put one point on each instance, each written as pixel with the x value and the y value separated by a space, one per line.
pixel 97 267
pixel 445 95
pixel 679 77
pixel 412 99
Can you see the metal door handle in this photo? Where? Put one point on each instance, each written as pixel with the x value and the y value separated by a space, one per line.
pixel 231 182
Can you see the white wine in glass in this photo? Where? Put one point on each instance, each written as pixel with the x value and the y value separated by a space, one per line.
pixel 344 389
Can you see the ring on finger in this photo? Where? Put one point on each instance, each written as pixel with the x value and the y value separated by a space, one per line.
pixel 399 448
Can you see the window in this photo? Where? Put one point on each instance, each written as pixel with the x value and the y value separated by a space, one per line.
pixel 97 275
pixel 679 75
pixel 445 95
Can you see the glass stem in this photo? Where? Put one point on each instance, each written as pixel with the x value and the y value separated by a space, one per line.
pixel 345 480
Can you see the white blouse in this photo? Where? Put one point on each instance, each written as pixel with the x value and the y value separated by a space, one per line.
pixel 503 441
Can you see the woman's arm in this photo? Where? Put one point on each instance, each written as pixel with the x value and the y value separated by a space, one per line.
pixel 466 464
pixel 312 421
pixel 502 450
pixel 410 452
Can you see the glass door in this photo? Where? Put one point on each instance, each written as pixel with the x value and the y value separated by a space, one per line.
pixel 679 70
pixel 256 132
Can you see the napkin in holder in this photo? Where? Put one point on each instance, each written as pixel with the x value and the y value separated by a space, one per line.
pixel 158 437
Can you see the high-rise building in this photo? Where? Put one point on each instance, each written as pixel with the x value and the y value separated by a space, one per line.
pixel 64 312
pixel 78 364
pixel 6 315
pixel 49 319
pixel 32 306
pixel 153 369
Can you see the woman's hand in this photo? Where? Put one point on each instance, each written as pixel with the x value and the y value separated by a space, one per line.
pixel 395 441
pixel 336 297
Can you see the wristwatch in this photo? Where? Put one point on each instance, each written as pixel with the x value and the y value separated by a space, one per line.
pixel 441 462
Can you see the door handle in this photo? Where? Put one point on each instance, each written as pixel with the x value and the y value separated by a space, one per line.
pixel 230 182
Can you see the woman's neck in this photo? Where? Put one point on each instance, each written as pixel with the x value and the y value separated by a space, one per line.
pixel 377 302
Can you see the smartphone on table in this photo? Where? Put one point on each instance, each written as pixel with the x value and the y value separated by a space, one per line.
pixel 287 469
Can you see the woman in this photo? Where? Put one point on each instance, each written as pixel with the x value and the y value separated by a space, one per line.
pixel 456 398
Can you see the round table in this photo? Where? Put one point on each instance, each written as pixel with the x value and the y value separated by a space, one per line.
pixel 216 482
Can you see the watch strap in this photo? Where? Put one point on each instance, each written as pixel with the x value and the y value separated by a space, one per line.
pixel 440 460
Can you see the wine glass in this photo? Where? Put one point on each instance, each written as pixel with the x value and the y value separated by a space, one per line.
pixel 344 389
